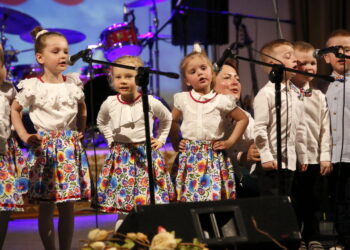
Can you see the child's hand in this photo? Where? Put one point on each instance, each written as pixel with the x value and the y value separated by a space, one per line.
pixel 33 140
pixel 325 167
pixel 269 165
pixel 182 145
pixel 155 144
pixel 303 167
pixel 221 145
pixel 253 153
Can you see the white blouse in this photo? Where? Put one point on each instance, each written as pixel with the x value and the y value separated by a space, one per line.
pixel 52 106
pixel 203 116
pixel 7 94
pixel 124 122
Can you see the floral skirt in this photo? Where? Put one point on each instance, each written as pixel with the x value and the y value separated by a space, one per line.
pixel 13 178
pixel 203 174
pixel 59 170
pixel 123 181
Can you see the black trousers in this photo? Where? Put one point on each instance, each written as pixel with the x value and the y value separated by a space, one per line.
pixel 274 182
pixel 339 186
pixel 310 200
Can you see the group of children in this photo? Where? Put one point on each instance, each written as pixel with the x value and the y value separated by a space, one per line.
pixel 213 135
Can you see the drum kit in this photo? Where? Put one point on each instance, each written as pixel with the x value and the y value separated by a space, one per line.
pixel 116 40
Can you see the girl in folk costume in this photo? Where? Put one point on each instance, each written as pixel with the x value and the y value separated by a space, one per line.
pixel 59 171
pixel 123 181
pixel 204 172
pixel 13 168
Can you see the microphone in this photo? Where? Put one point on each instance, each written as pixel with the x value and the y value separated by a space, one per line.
pixel 227 53
pixel 71 60
pixel 319 53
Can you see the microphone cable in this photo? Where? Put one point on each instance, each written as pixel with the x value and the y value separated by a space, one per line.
pixel 278 23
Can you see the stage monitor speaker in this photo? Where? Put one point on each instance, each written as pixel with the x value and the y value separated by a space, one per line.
pixel 222 224
pixel 198 23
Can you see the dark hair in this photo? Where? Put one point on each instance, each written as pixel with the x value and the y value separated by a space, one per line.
pixel 39 42
pixel 232 63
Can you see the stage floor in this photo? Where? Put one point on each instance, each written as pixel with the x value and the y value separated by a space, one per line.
pixel 23 233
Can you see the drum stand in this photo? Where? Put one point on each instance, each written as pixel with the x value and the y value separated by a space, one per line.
pixel 142 79
pixel 154 41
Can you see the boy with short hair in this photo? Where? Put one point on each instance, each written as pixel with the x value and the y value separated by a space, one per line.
pixel 293 128
pixel 338 98
pixel 307 184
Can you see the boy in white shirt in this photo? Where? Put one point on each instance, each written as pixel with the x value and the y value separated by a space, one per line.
pixel 338 98
pixel 307 184
pixel 272 180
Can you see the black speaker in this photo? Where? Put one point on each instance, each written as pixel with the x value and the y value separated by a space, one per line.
pixel 200 21
pixel 251 223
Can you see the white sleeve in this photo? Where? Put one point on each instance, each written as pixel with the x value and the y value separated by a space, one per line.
pixel 77 90
pixel 262 120
pixel 103 122
pixel 26 95
pixel 4 123
pixel 325 139
pixel 227 103
pixel 178 101
pixel 164 116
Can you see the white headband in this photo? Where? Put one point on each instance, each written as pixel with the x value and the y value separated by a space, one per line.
pixel 41 32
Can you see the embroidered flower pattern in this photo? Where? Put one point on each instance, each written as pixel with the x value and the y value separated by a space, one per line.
pixel 123 182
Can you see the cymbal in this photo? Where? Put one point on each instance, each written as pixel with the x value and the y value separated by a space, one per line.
pixel 16 22
pixel 142 3
pixel 71 35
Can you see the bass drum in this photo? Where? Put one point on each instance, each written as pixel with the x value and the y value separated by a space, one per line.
pixel 96 90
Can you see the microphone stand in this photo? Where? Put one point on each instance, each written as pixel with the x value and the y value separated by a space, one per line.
pixel 276 76
pixel 142 79
pixel 92 123
pixel 183 7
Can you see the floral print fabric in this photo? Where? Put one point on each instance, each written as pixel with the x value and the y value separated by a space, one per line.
pixel 59 169
pixel 203 174
pixel 123 181
pixel 13 178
